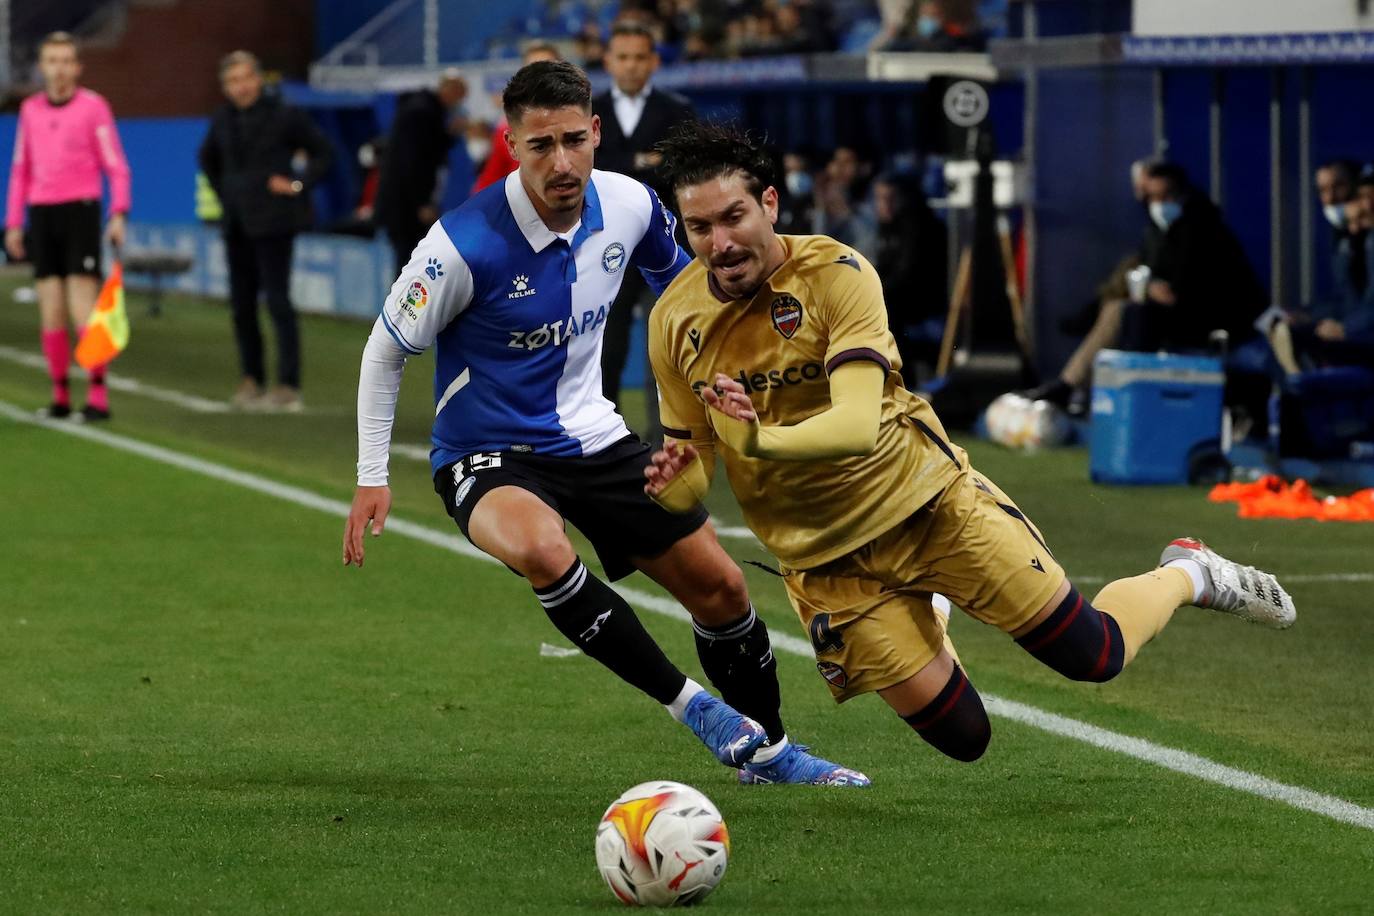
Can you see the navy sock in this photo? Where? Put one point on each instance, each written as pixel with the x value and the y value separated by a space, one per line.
pixel 1078 641
pixel 955 722
pixel 738 658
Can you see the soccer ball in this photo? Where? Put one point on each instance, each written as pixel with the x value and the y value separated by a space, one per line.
pixel 662 844
pixel 1017 422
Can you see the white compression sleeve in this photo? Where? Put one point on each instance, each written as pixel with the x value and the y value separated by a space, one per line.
pixel 379 382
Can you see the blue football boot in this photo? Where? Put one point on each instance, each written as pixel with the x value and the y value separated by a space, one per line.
pixel 794 765
pixel 733 738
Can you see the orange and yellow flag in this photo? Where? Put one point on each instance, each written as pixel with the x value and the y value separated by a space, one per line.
pixel 107 330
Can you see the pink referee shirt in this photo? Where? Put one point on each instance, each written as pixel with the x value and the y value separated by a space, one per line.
pixel 60 152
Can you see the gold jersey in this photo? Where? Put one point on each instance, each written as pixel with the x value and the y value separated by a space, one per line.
pixel 821 309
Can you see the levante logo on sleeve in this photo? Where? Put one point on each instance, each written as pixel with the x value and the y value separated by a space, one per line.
pixel 787 315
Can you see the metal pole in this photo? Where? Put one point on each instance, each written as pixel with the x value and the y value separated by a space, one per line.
pixel 6 52
pixel 1305 214
pixel 1276 273
pixel 1161 141
pixel 1032 83
pixel 1216 138
pixel 431 33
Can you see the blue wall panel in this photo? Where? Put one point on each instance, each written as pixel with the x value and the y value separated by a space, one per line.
pixel 1093 124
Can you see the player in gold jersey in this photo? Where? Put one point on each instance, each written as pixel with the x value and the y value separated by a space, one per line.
pixel 773 353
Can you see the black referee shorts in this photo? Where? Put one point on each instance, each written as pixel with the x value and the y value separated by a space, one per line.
pixel 602 495
pixel 64 239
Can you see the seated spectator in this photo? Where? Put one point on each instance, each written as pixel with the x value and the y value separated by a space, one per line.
pixel 1339 332
pixel 938 26
pixel 912 261
pixel 841 209
pixel 1200 279
pixel 1099 323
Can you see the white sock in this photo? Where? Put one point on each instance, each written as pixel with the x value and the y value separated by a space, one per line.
pixel 678 708
pixel 766 753
pixel 1194 570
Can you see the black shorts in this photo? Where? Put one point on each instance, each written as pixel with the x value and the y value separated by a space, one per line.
pixel 602 495
pixel 64 239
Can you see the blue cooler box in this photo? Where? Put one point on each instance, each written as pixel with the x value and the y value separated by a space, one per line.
pixel 1151 413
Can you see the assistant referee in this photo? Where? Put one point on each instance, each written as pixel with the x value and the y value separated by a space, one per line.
pixel 66 141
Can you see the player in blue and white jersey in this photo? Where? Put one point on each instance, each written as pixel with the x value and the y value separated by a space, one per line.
pixel 513 289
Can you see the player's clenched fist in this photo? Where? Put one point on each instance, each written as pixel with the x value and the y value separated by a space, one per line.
pixel 370 504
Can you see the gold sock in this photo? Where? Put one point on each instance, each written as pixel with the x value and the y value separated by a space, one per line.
pixel 1142 605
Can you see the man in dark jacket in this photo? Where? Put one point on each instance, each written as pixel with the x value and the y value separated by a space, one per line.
pixel 418 148
pixel 1200 278
pixel 261 157
pixel 634 117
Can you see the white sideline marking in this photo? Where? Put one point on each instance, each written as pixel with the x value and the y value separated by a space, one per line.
pixel 413 452
pixel 126 384
pixel 1169 758
pixel 1284 579
pixel 1184 762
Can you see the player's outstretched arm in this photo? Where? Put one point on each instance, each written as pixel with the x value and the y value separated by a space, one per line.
pixel 379 384
pixel 847 429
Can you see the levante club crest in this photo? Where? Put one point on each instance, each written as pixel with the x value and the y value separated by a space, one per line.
pixel 787 315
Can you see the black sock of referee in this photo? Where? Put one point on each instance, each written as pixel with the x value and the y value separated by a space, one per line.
pixel 738 659
pixel 603 626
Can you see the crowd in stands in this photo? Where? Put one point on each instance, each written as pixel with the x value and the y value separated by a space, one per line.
pixel 694 30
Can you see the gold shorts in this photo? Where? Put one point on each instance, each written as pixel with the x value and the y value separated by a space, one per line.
pixel 869 614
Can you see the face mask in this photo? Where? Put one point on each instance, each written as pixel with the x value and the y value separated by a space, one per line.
pixel 1164 212
pixel 1335 215
pixel 927 26
pixel 479 148
pixel 799 184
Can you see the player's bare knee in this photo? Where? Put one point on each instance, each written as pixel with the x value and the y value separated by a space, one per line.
pixel 719 595
pixel 543 557
pixel 730 593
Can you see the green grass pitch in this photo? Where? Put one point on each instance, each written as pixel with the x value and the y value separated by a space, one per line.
pixel 203 711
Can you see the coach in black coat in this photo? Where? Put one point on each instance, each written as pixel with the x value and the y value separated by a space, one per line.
pixel 634 117
pixel 252 158
pixel 246 148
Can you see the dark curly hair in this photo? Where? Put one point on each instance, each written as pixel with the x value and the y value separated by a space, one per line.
pixel 546 84
pixel 698 151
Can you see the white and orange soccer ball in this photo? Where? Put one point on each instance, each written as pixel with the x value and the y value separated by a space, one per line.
pixel 1018 422
pixel 662 844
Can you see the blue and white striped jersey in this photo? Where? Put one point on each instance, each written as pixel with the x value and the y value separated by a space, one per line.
pixel 517 314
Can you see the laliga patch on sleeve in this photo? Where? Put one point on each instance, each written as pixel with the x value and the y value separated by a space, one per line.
pixel 414 299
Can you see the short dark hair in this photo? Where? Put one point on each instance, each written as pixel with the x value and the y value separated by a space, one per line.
pixel 697 151
pixel 635 29
pixel 1347 169
pixel 1366 178
pixel 1175 174
pixel 546 84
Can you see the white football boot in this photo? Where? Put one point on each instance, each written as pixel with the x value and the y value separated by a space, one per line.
pixel 1249 593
